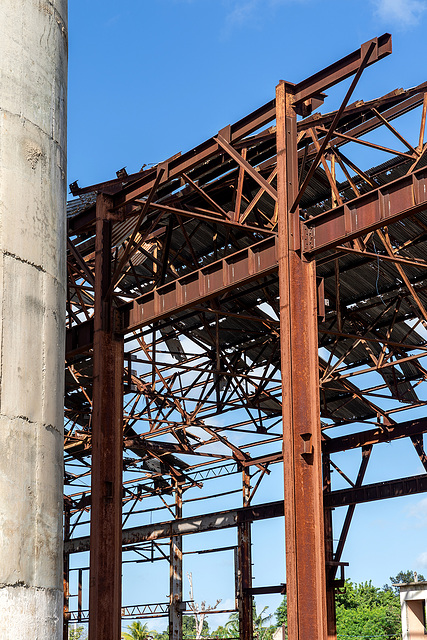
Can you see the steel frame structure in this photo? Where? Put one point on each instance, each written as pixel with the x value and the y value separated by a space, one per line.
pixel 266 277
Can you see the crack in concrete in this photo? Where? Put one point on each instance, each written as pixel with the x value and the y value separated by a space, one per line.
pixel 13 585
pixel 9 254
pixel 51 427
pixel 48 427
pixel 36 126
pixel 20 584
pixel 24 418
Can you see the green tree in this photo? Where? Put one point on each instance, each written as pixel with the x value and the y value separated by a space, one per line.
pixel 221 632
pixel 261 630
pixel 76 634
pixel 137 631
pixel 362 610
pixel 403 577
pixel 232 626
pixel 282 613
pixel 189 628
pixel 365 610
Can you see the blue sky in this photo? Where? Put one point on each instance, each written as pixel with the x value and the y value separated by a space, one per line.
pixel 151 78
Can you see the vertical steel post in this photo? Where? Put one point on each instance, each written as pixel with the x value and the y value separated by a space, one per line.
pixel 305 549
pixel 329 555
pixel 66 578
pixel 80 596
pixel 244 567
pixel 107 443
pixel 175 602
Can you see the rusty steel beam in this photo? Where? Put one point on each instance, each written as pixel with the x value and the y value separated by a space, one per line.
pixel 228 519
pixel 342 69
pixel 244 567
pixel 305 554
pixel 107 453
pixel 410 485
pixel 375 436
pixel 244 164
pixel 295 249
pixel 175 576
pixel 79 338
pixel 139 184
pixel 186 526
pixel 378 435
pixel 366 454
pixel 214 279
pixel 406 101
pixel 66 576
pixel 395 201
pixel 366 54
pixel 331 617
pixel 80 262
pixel 260 591
pixel 145 611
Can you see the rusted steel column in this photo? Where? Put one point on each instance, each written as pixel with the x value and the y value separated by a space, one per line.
pixel 107 443
pixel 305 549
pixel 329 555
pixel 244 567
pixel 175 604
pixel 80 595
pixel 66 578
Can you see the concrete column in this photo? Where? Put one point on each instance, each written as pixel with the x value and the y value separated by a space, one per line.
pixel 33 76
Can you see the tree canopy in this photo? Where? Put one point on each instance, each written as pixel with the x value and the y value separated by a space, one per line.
pixel 189 628
pixel 364 610
pixel 403 577
pixel 137 631
pixel 77 634
pixel 262 630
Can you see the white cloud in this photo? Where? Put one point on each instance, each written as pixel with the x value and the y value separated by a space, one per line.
pixel 417 515
pixel 422 560
pixel 244 11
pixel 402 12
pixel 241 12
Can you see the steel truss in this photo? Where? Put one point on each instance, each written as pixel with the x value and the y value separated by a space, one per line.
pixel 263 277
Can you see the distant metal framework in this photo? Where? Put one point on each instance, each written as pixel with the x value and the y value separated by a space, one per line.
pixel 267 277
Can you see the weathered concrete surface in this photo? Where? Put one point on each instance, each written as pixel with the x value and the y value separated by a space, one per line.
pixel 33 73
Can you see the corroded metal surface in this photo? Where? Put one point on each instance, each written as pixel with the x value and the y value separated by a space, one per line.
pixel 200 246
